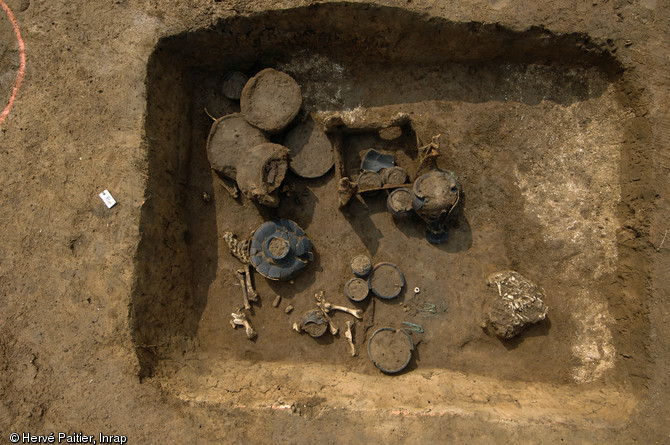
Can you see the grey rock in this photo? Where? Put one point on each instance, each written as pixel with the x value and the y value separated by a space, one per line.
pixel 517 304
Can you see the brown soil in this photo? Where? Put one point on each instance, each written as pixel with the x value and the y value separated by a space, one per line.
pixel 278 247
pixel 553 116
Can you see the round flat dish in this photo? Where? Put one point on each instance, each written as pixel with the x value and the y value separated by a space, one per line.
pixel 361 266
pixel 271 100
pixel 390 349
pixel 230 140
pixel 386 281
pixel 311 153
pixel 356 289
pixel 369 180
pixel 399 203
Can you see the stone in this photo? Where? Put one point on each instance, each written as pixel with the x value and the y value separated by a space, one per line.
pixel 517 304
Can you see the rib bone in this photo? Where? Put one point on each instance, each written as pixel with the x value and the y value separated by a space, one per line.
pixel 350 338
pixel 245 296
pixel 239 319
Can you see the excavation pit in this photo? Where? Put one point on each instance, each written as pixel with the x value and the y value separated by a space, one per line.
pixel 533 125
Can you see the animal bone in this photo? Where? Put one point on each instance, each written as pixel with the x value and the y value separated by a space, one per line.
pixel 333 329
pixel 251 291
pixel 320 303
pixel 238 248
pixel 350 338
pixel 327 307
pixel 239 319
pixel 245 296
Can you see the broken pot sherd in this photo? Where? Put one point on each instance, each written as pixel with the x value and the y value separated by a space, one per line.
pixel 262 171
pixel 241 152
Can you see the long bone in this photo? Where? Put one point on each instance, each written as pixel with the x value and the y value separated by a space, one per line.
pixel 239 319
pixel 251 292
pixel 319 302
pixel 333 329
pixel 327 307
pixel 245 293
pixel 350 338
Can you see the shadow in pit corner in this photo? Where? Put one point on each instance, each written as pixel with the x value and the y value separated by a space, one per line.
pixel 539 329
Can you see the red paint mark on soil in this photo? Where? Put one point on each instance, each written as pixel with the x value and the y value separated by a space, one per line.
pixel 22 67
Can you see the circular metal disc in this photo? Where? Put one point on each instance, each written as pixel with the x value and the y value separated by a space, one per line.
pixel 386 280
pixel 271 100
pixel 357 289
pixel 390 350
pixel 311 153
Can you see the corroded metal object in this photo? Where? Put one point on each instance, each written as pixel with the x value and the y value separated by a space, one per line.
pixel 435 194
pixel 313 322
pixel 280 250
pixel 390 349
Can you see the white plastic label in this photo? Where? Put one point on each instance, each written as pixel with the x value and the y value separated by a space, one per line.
pixel 108 199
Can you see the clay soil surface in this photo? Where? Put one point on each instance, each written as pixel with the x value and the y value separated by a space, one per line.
pixel 117 320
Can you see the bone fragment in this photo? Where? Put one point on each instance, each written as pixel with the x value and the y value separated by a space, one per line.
pixel 239 319
pixel 349 334
pixel 333 329
pixel 239 249
pixel 358 313
pixel 297 327
pixel 245 297
pixel 327 307
pixel 320 303
pixel 288 309
pixel 277 301
pixel 251 292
